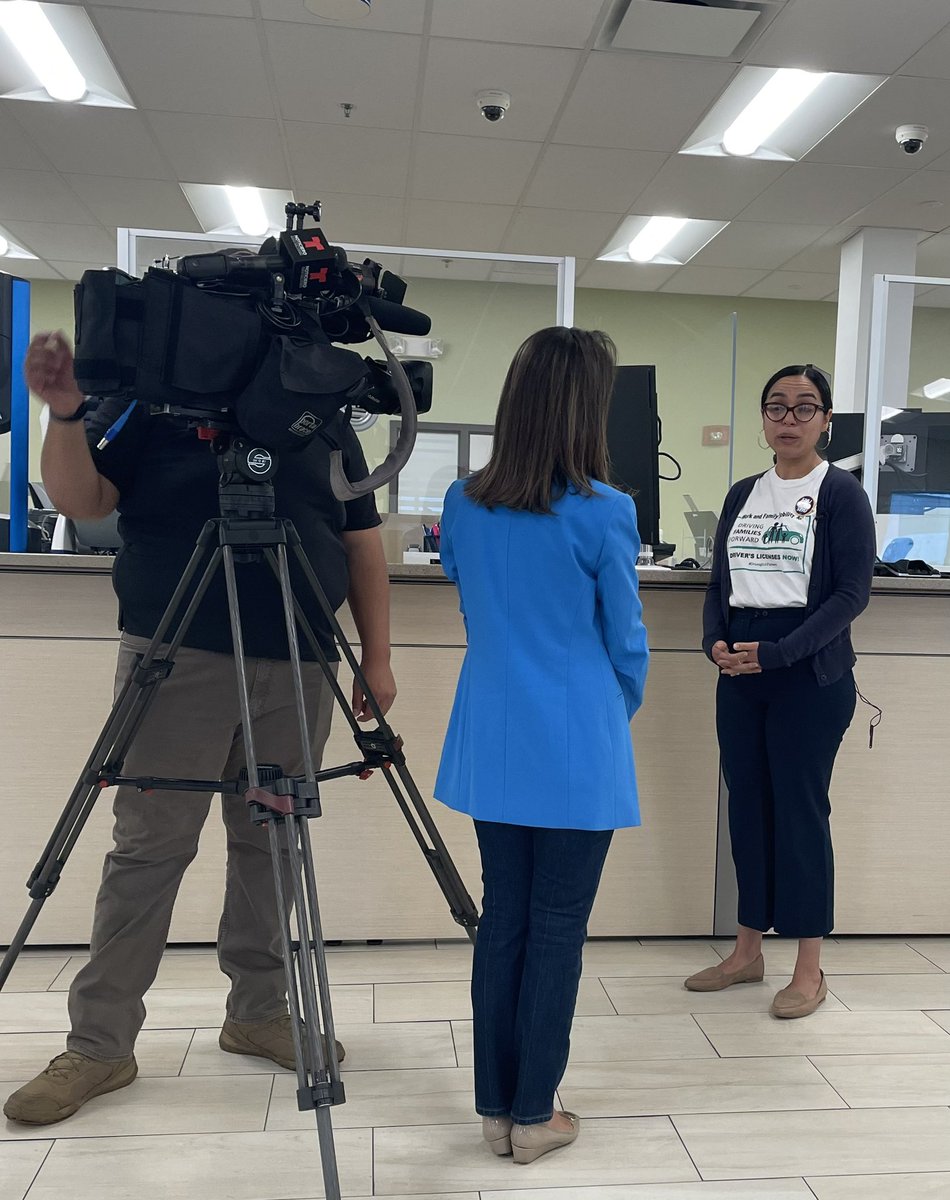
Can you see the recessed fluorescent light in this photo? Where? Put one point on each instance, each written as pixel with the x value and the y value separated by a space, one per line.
pixel 4 245
pixel 248 210
pixel 29 29
pixel 785 92
pixel 654 237
pixel 887 413
pixel 937 390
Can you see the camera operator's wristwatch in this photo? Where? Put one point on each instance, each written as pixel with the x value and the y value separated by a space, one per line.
pixel 76 416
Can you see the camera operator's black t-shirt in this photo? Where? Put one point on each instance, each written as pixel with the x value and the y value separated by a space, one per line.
pixel 167 479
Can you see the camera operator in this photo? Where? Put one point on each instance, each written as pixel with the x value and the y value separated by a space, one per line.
pixel 164 483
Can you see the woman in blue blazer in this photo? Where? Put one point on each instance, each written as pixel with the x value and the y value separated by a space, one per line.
pixel 538 750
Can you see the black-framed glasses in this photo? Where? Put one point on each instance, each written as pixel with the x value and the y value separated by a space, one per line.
pixel 801 412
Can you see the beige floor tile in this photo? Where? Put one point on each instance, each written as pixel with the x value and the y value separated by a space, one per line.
pixel 936 950
pixel 644 996
pixel 18 1167
pixel 889 1080
pixel 738 1035
pixel 706 1085
pixel 203 1008
pixel 889 993
pixel 932 1186
pixel 757 1145
pixel 733 1189
pixel 858 956
pixel 452 1001
pixel 618 1039
pixel 454 1158
pixel 630 958
pixel 76 962
pixel 235 1166
pixel 158 1052
pixel 402 964
pixel 165 1106
pixel 33 1012
pixel 368 1048
pixel 380 1098
pixel 940 1018
pixel 34 972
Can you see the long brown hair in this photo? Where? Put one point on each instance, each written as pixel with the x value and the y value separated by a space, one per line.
pixel 551 426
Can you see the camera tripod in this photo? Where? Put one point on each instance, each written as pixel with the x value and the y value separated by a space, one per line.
pixel 247 529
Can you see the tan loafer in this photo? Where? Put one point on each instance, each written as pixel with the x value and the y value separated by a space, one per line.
pixel 529 1142
pixel 497 1133
pixel 715 979
pixel 789 1004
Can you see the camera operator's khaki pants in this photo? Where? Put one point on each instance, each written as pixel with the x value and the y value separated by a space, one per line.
pixel 192 730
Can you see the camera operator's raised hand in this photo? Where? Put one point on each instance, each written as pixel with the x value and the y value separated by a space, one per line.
pixel 49 373
pixel 69 473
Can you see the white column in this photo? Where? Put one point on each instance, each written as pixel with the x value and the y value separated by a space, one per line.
pixel 873 252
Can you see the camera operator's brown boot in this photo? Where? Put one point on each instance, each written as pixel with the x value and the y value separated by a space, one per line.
pixel 265 1039
pixel 64 1087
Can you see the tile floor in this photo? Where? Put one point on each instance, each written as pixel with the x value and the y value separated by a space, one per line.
pixel 685 1096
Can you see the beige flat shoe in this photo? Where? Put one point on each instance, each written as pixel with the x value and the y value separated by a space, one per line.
pixel 789 1004
pixel 529 1142
pixel 715 979
pixel 497 1133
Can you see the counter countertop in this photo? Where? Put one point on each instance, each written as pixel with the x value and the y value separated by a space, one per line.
pixel 91 564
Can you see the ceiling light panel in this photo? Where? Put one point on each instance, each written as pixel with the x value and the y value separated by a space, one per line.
pixel 56 56
pixel 660 240
pixel 220 209
pixel 778 114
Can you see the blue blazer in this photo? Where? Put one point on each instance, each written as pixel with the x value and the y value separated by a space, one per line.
pixel 556 662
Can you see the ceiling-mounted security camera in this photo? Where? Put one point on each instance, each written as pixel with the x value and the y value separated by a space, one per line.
pixel 493 105
pixel 911 138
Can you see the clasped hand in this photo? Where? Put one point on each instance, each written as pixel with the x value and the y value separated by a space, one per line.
pixel 743 659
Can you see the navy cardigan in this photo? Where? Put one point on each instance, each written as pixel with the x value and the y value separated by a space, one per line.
pixel 839 589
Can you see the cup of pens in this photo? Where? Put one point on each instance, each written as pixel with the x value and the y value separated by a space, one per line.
pixel 430 539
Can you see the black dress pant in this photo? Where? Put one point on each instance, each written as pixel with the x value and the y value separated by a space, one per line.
pixel 779 733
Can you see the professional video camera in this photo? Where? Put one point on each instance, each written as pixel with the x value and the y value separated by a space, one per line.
pixel 243 341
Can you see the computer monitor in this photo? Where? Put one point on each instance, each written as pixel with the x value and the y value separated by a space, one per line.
pixel 703 524
pixel 917 527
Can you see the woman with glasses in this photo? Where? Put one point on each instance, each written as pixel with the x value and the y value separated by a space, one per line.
pixel 543 552
pixel 792 569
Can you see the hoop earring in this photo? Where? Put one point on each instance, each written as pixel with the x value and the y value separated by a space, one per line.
pixel 759 443
pixel 828 434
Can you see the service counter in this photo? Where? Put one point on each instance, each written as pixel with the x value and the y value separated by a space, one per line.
pixel 891 805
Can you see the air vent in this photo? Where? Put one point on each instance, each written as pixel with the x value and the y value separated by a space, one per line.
pixel 717 29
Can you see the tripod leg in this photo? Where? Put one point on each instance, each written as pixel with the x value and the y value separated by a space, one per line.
pixel 123 722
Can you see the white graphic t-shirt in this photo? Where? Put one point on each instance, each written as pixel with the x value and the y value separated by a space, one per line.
pixel 772 543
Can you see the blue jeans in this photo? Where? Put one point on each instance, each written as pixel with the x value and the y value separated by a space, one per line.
pixel 540 886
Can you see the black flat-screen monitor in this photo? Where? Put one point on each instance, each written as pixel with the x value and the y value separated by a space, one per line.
pixel 633 435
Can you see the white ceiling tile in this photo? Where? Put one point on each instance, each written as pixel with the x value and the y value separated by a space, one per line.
pixel 30 268
pixel 560 232
pixel 447 226
pixel 823 256
pixel 215 149
pixel 933 59
pixel 215 8
pixel 73 271
pixel 638 102
pixel 715 189
pixel 528 22
pixel 36 196
pixel 865 36
pixel 17 147
pixel 866 138
pixel 535 77
pixel 100 141
pixel 592 178
pixel 71 243
pixel 185 63
pixel 471 169
pixel 404 16
pixel 318 68
pixel 135 203
pixel 348 158
pixel 373 220
pixel 920 201
pixel 671 28
pixel 794 285
pixel 938 297
pixel 636 277
pixel 815 194
pixel 933 256
pixel 713 281
pixel 437 268
pixel 757 244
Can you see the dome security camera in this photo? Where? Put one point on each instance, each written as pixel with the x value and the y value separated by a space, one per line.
pixel 911 138
pixel 493 105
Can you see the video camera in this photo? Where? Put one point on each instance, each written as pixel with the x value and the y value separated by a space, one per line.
pixel 243 342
